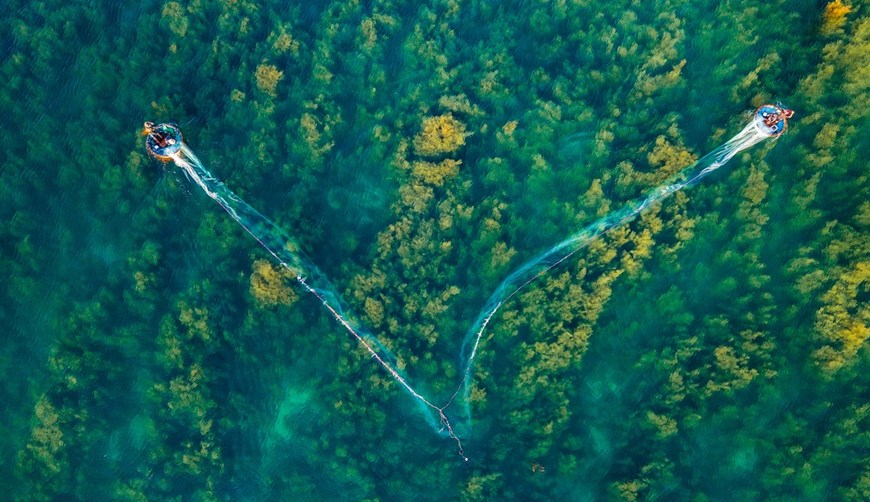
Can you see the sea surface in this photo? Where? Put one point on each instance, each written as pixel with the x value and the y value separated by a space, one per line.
pixel 713 348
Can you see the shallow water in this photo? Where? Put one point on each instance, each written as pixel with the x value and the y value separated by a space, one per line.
pixel 141 362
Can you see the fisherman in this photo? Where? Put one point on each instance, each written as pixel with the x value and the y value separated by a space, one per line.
pixel 161 139
pixel 771 119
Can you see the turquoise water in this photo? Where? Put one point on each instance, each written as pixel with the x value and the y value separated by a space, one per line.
pixel 713 349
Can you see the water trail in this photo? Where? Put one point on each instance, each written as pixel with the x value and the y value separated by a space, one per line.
pixel 751 135
pixel 288 254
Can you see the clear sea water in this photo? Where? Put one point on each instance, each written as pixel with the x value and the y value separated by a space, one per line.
pixel 139 365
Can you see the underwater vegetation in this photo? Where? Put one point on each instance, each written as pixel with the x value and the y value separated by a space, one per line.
pixel 714 347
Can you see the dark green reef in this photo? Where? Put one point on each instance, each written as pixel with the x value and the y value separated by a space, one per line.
pixel 715 348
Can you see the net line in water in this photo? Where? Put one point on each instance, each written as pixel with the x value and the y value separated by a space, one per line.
pixel 551 258
pixel 289 255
